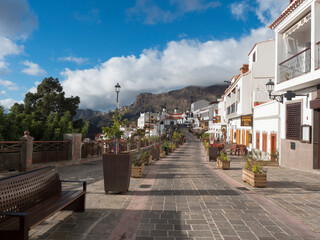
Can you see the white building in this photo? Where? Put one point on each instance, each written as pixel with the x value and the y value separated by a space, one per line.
pixel 195 112
pixel 297 32
pixel 248 90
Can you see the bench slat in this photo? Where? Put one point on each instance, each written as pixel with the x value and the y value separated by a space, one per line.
pixel 44 210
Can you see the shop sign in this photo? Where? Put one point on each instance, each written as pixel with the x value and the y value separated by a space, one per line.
pixel 216 119
pixel 246 121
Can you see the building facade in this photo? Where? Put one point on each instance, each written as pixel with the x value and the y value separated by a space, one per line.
pixel 297 81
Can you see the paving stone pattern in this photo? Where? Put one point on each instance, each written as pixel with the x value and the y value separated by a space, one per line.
pixel 296 192
pixel 103 212
pixel 188 201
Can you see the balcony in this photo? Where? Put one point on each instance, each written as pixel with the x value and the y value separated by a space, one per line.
pixel 318 58
pixel 296 65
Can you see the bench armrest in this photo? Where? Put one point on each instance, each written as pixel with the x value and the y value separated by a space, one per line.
pixel 84 183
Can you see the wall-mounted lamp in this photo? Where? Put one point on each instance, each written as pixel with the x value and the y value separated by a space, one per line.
pixel 279 98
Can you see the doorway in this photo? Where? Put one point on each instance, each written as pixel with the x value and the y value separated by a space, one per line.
pixel 273 146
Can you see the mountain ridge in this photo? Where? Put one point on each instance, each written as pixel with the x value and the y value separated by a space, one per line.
pixel 145 102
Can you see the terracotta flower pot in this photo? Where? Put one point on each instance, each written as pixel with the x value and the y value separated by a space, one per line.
pixel 117 171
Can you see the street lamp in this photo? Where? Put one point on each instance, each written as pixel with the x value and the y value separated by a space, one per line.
pixel 270 87
pixel 117 88
pixel 288 95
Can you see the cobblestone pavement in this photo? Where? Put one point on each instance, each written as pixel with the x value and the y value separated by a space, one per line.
pixel 103 212
pixel 295 191
pixel 187 199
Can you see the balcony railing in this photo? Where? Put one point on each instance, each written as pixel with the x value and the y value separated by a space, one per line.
pixel 318 58
pixel 296 65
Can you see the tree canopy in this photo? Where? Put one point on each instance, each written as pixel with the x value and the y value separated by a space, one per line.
pixel 47 114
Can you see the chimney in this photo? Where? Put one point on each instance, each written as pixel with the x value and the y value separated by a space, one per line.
pixel 244 69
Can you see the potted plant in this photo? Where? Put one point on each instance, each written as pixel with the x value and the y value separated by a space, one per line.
pixel 155 152
pixel 224 161
pixel 147 158
pixel 137 168
pixel 162 151
pixel 254 174
pixel 116 165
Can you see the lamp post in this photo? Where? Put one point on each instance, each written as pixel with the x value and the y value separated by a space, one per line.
pixel 117 88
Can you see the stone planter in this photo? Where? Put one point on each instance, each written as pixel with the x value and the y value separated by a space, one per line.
pixel 254 179
pixel 137 172
pixel 117 171
pixel 155 153
pixel 162 154
pixel 149 161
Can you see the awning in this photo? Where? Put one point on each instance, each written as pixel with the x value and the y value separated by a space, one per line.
pixel 299 24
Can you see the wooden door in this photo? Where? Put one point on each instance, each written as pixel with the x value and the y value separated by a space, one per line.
pixel 273 144
pixel 258 140
pixel 243 142
pixel 247 138
pixel 231 135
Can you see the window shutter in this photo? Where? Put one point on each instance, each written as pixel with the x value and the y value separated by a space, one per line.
pixel 257 140
pixel 293 122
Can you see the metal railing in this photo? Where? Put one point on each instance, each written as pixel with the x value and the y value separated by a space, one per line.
pixel 10 153
pixel 295 65
pixel 50 151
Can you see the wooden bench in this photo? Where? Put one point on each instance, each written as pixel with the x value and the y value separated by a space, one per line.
pixel 29 198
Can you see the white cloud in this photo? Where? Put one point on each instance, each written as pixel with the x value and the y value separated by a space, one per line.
pixel 8 103
pixel 150 13
pixel 3 92
pixel 7 47
pixel 239 10
pixel 266 10
pixel 32 69
pixel 8 84
pixel 16 19
pixel 34 89
pixel 270 10
pixel 77 60
pixel 181 63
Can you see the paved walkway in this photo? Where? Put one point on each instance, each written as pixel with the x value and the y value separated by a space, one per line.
pixel 185 197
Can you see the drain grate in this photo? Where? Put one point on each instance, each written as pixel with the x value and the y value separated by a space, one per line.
pixel 145 186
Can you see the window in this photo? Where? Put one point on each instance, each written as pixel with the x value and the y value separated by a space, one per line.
pixel 254 57
pixel 293 122
pixel 257 140
pixel 264 142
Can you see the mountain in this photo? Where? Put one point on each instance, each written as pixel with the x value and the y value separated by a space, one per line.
pixel 180 99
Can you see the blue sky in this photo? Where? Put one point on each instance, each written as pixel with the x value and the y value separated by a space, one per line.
pixel 145 45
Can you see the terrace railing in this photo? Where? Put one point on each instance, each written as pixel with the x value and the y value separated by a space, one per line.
pixel 295 65
pixel 50 151
pixel 91 149
pixel 10 155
